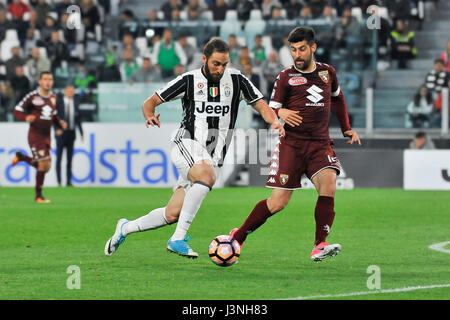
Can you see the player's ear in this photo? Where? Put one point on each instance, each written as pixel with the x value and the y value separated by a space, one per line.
pixel 204 59
pixel 314 47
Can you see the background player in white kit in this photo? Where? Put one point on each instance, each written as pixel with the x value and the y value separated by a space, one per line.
pixel 210 98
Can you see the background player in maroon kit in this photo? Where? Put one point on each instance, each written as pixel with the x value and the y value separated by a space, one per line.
pixel 309 89
pixel 39 109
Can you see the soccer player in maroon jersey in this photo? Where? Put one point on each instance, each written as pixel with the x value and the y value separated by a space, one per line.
pixel 38 108
pixel 309 89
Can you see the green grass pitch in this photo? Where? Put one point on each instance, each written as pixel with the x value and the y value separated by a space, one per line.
pixel 388 228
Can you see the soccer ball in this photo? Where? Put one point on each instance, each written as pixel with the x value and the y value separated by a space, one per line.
pixel 224 251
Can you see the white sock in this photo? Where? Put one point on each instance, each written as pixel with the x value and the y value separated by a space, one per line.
pixel 192 202
pixel 152 220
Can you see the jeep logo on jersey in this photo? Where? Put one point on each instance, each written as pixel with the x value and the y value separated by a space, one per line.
pixel 297 81
pixel 213 109
pixel 314 96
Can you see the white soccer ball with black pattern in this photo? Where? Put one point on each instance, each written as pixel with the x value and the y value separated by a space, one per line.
pixel 224 251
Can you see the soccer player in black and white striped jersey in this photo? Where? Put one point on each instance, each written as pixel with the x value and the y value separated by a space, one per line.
pixel 210 98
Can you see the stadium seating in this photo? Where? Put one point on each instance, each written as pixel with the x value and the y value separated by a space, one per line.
pixel 231 25
pixel 255 25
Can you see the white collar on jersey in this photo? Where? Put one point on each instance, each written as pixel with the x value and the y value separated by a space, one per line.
pixel 315 66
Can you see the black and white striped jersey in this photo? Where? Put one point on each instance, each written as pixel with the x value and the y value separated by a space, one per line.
pixel 210 109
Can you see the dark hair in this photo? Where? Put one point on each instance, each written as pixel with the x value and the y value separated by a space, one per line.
pixel 302 33
pixel 215 44
pixel 439 61
pixel 428 96
pixel 44 73
pixel 420 134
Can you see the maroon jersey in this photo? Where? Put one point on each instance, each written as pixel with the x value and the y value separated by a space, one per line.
pixel 311 93
pixel 44 108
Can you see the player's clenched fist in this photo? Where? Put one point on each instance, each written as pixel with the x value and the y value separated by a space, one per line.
pixel 276 125
pixel 153 121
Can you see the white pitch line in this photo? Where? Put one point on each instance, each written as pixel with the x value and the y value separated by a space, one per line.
pixel 361 293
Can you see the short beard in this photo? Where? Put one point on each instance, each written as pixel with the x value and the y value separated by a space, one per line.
pixel 208 74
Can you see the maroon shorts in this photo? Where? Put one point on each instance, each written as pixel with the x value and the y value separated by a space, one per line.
pixel 40 151
pixel 289 163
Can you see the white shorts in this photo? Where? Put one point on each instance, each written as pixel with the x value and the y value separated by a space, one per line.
pixel 184 154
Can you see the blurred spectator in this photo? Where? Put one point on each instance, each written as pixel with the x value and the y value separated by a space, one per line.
pixel 189 50
pixel 6 100
pixel 42 9
pixel 284 54
pixel 17 9
pixel 276 28
pixel 293 8
pixel 243 58
pixel 419 110
pixel 445 57
pixel 234 47
pixel 399 9
pixel 89 15
pixel 31 41
pixel 57 51
pixel 128 43
pixel 270 70
pixel 436 78
pixel 421 142
pixel 83 79
pixel 13 62
pixel 328 15
pixel 258 50
pixel 168 54
pixel 247 70
pixel 402 44
pixel 109 72
pixel 47 29
pixel 316 7
pixel 348 26
pixel 128 24
pixel 5 24
pixel 146 73
pixel 341 5
pixel 305 13
pixel 152 17
pixel 20 84
pixel 61 7
pixel 36 64
pixel 168 7
pixel 219 9
pixel 267 6
pixel 128 65
pixel 243 8
pixel 194 5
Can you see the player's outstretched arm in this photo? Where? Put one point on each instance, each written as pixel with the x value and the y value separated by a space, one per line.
pixel 268 115
pixel 148 109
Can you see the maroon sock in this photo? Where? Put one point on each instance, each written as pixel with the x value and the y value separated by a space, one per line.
pixel 40 176
pixel 29 160
pixel 256 218
pixel 324 215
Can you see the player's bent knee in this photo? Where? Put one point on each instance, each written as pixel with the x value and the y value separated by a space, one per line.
pixel 44 166
pixel 172 214
pixel 276 205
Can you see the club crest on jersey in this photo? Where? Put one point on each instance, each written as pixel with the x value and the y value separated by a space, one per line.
pixel 227 91
pixel 324 76
pixel 284 178
pixel 213 91
pixel 297 81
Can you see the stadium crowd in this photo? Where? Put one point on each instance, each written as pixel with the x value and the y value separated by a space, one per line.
pixel 112 45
